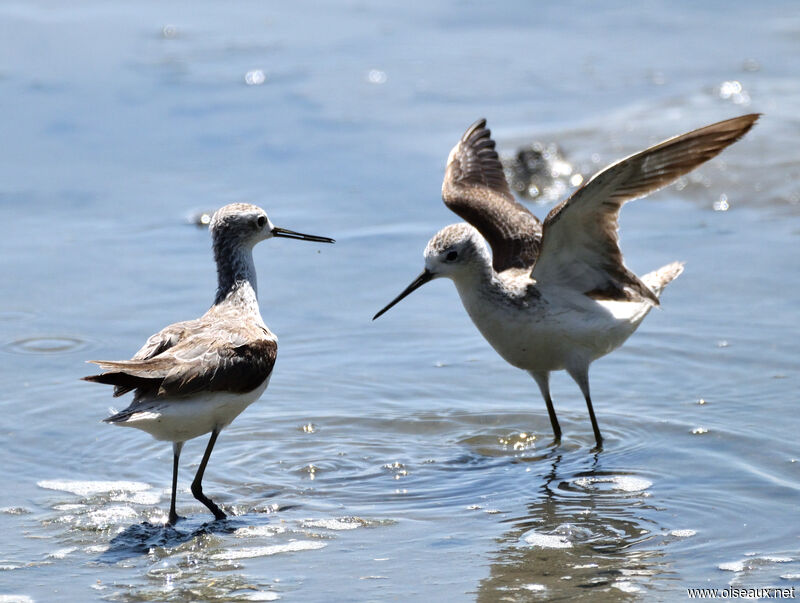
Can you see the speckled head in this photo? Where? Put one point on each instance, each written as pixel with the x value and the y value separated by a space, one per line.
pixel 235 229
pixel 455 249
pixel 243 224
pixel 240 224
pixel 455 252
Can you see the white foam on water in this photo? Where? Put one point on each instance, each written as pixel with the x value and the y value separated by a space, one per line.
pixel 62 553
pixel 627 586
pixel 86 488
pixel 266 551
pixel 141 497
pixel 790 576
pixel 732 566
pixel 260 596
pixel 15 599
pixel 546 541
pixel 69 507
pixel 14 510
pixel 345 523
pixel 96 549
pixel 258 531
pixel 536 588
pixel 683 533
pixel 113 514
pixel 625 483
pixel 776 559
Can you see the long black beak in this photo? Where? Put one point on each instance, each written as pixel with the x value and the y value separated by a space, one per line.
pixel 290 234
pixel 423 278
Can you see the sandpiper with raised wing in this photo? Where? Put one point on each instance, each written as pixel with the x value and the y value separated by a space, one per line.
pixel 556 295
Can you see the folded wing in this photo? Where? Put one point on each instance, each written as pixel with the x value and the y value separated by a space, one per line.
pixel 158 343
pixel 198 363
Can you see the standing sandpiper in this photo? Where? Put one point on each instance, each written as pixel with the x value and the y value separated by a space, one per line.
pixel 556 295
pixel 195 377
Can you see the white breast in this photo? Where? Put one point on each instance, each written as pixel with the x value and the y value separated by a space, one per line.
pixel 551 332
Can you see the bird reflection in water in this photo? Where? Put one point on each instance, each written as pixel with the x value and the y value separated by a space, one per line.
pixel 585 537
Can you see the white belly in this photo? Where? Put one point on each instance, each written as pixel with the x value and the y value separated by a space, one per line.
pixel 566 329
pixel 181 419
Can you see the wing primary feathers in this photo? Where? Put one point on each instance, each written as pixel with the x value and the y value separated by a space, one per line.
pixel 475 188
pixel 580 246
pixel 233 368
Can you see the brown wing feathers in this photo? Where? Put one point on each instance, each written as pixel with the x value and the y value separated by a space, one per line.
pixel 579 241
pixel 662 164
pixel 476 161
pixel 125 382
pixel 476 189
pixel 234 369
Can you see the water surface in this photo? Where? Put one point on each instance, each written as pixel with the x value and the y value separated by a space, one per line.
pixel 400 459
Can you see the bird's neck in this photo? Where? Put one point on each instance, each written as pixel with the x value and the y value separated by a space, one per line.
pixel 477 276
pixel 236 273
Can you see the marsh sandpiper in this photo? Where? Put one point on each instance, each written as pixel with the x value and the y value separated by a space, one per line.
pixel 556 295
pixel 195 377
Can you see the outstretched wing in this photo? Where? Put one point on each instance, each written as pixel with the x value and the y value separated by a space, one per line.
pixel 198 363
pixel 580 246
pixel 475 188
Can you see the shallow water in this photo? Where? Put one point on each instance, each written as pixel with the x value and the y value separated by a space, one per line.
pixel 400 459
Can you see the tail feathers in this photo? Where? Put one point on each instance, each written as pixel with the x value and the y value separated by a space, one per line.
pixel 121 390
pixel 111 365
pixel 123 382
pixel 658 279
pixel 121 416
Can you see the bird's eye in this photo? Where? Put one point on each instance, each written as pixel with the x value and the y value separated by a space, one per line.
pixel 261 221
pixel 451 256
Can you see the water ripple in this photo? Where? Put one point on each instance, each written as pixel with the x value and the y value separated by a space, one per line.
pixel 47 344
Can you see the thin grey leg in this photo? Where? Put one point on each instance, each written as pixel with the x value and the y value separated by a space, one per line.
pixel 176 455
pixel 581 377
pixel 543 381
pixel 197 484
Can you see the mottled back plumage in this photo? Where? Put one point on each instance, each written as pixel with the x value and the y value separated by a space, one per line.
pixel 218 352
